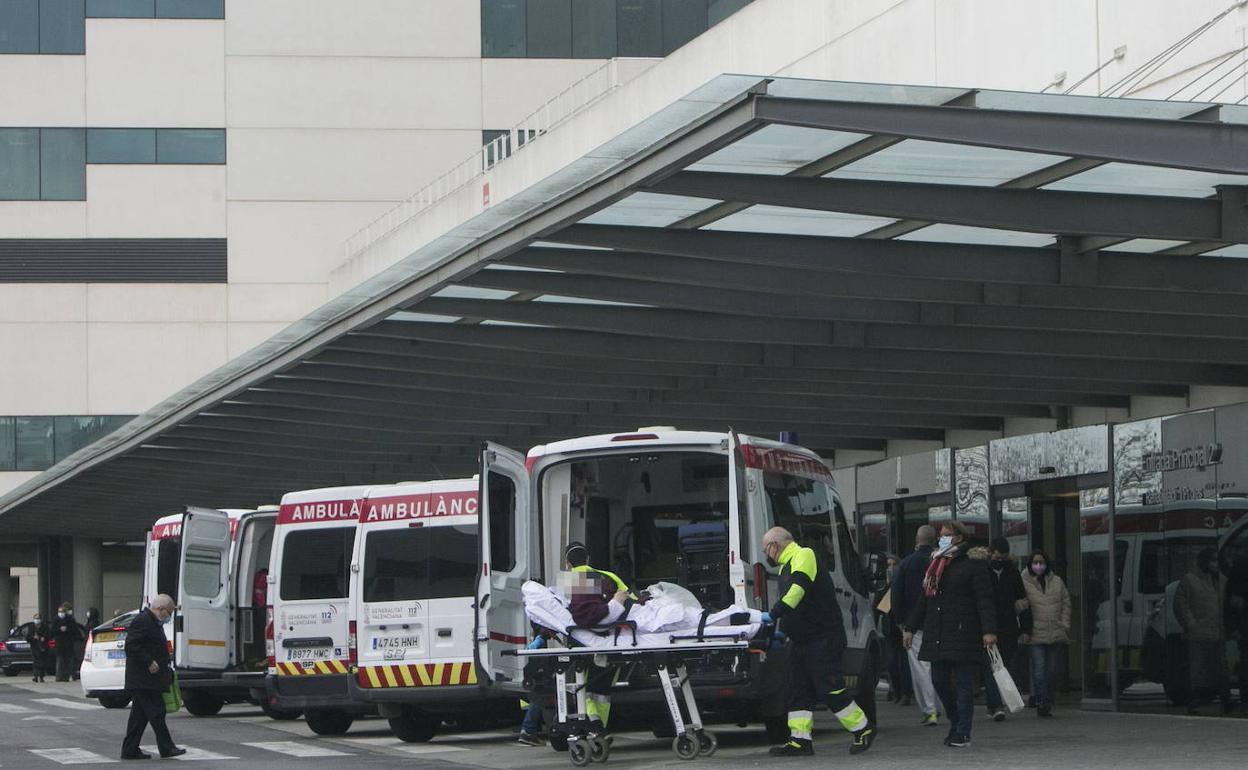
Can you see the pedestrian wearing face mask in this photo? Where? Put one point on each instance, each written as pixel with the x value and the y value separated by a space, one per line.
pixel 958 616
pixel 1199 602
pixel 148 675
pixel 67 635
pixel 1049 602
pixel 37 636
pixel 906 589
pixel 1010 598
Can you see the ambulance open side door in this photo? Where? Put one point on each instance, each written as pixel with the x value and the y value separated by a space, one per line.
pixel 505 556
pixel 202 623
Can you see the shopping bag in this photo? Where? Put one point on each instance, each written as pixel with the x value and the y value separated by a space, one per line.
pixel 1005 683
pixel 173 696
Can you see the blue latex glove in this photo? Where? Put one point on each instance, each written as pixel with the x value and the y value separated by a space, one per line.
pixel 536 644
pixel 767 618
pixel 777 640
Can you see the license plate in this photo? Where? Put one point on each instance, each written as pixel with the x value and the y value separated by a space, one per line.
pixel 308 653
pixel 19 646
pixel 395 642
pixel 116 654
pixel 110 636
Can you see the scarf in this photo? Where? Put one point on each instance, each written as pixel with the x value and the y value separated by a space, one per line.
pixel 936 569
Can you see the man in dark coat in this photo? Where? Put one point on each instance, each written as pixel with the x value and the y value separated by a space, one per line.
pixel 958 617
pixel 1011 601
pixel 38 635
pixel 148 675
pixel 907 588
pixel 68 635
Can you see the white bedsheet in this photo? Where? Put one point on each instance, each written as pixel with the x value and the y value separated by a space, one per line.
pixel 657 620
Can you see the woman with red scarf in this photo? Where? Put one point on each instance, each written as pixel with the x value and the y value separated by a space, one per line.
pixel 958 616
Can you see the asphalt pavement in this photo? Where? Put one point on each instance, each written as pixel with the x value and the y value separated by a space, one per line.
pixel 46 725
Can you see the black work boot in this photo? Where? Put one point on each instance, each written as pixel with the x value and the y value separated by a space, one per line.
pixel 863 739
pixel 794 747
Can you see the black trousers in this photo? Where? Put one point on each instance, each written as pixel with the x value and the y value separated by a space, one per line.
pixel 146 707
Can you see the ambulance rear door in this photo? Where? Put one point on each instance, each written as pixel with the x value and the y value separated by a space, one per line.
pixel 505 559
pixel 202 622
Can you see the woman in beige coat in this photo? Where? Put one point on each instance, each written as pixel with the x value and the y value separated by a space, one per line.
pixel 1049 602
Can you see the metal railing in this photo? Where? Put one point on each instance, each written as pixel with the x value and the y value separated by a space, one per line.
pixel 569 102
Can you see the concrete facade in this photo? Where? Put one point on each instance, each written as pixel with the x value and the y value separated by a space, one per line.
pixel 336 112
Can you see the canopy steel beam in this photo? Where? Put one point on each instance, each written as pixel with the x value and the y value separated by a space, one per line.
pixel 838 357
pixel 939 335
pixel 359 399
pixel 810 302
pixel 1197 145
pixel 908 261
pixel 1040 211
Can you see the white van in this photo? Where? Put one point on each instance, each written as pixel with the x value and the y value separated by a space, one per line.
pixel 412 582
pixel 214 563
pixel 682 506
pixel 309 649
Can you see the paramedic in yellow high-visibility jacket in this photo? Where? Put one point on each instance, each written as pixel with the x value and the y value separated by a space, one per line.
pixel 601 678
pixel 807 613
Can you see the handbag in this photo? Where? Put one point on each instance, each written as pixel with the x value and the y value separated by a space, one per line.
pixel 173 696
pixel 1010 697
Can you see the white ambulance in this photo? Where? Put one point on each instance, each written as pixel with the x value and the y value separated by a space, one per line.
pixel 660 504
pixel 214 563
pixel 412 583
pixel 309 649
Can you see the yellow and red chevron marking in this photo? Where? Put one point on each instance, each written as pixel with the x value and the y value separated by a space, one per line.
pixel 417 675
pixel 312 667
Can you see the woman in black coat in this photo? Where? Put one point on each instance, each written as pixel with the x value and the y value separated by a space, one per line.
pixel 957 612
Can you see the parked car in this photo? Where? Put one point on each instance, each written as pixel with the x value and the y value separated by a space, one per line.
pixel 104 662
pixel 15 651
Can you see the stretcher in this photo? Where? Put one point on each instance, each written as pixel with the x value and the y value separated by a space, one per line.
pixel 669 662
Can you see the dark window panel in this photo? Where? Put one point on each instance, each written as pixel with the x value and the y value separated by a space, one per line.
pixel 639 27
pixel 593 29
pixel 683 20
pixel 8 444
pixel 73 433
pixel 549 29
pixel 121 145
pixel 495 153
pixel 190 145
pixel 113 260
pixel 718 10
pixel 19 26
pixel 62 27
pixel 190 9
pixel 503 28
pixel 34 443
pixel 121 9
pixel 19 164
pixel 62 164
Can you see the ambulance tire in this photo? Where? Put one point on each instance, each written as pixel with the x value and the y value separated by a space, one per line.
pixel 281 715
pixel 414 726
pixel 324 722
pixel 202 704
pixel 114 701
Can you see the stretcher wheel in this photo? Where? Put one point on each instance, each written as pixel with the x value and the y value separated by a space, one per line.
pixel 707 743
pixel 578 752
pixel 599 749
pixel 685 746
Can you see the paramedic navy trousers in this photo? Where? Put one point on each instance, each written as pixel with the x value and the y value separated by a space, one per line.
pixel 814 674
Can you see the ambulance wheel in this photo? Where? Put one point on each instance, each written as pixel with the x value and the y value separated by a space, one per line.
pixel 578 752
pixel 685 746
pixel 201 704
pixel 281 715
pixel 707 743
pixel 599 749
pixel 328 722
pixel 559 742
pixel 10 671
pixel 414 726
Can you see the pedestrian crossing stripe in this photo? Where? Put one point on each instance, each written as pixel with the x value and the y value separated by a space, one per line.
pixel 13 708
pixel 72 756
pixel 312 667
pixel 417 675
pixel 295 749
pixel 69 704
pixel 192 754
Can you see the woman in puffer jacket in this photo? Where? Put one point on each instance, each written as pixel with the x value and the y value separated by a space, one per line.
pixel 1050 627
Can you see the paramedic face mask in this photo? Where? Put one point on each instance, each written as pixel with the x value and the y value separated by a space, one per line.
pixel 768 550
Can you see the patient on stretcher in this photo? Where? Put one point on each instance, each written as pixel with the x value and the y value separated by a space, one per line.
pixel 582 607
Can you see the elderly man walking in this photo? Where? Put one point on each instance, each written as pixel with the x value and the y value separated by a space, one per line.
pixel 148 675
pixel 809 615
pixel 907 587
